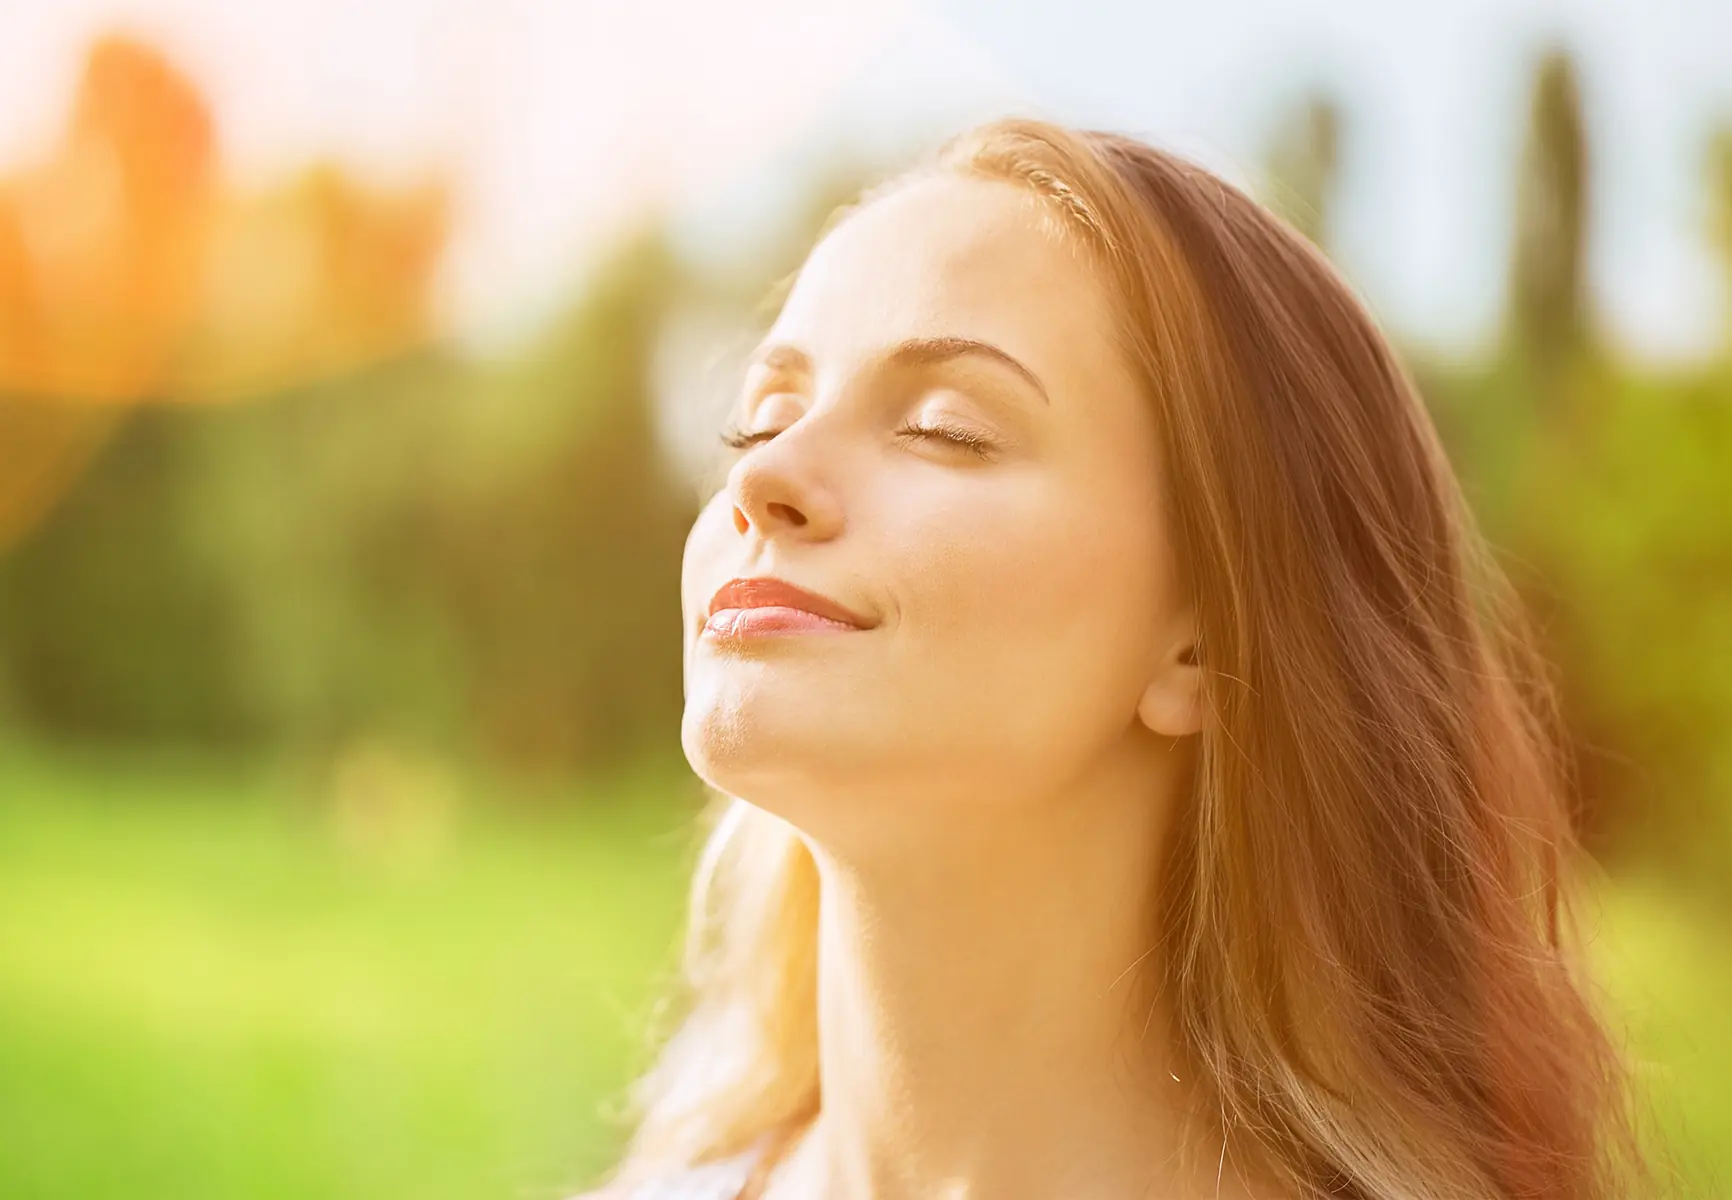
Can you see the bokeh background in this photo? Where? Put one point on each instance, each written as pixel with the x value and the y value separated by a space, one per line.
pixel 358 369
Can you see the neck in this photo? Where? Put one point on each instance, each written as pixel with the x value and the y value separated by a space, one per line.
pixel 984 1024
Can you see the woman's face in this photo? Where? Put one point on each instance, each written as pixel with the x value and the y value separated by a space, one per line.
pixel 1015 585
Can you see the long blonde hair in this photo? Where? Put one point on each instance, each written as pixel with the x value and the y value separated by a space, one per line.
pixel 1366 940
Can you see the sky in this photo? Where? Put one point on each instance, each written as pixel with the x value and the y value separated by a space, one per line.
pixel 566 118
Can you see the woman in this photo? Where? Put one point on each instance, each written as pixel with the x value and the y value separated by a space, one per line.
pixel 1132 778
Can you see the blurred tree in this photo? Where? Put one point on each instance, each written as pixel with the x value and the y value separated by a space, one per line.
pixel 563 559
pixel 317 277
pixel 1547 321
pixel 44 447
pixel 1303 166
pixel 169 575
pixel 111 625
pixel 1719 164
pixel 1612 520
pixel 101 250
pixel 129 275
pixel 1626 522
pixel 102 247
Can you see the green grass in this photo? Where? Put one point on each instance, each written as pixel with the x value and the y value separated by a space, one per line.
pixel 210 987
pixel 225 984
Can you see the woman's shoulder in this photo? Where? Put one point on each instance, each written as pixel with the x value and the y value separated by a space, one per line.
pixel 722 1179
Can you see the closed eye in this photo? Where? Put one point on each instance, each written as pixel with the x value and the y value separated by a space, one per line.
pixel 956 435
pixel 968 439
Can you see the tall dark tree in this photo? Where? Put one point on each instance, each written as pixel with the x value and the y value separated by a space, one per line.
pixel 1548 308
pixel 1720 215
pixel 1304 165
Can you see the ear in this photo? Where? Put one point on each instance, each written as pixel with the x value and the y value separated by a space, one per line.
pixel 1172 704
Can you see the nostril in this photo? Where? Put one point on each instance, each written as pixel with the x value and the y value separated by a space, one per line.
pixel 788 513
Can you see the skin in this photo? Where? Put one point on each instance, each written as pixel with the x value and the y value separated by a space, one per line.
pixel 984 775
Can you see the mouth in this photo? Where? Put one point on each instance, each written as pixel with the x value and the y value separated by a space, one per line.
pixel 764 605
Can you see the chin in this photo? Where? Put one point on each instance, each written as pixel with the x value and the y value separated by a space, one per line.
pixel 741 743
pixel 779 754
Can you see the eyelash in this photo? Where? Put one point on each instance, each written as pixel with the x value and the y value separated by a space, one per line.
pixel 965 439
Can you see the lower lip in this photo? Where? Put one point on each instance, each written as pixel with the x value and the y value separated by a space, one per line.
pixel 757 622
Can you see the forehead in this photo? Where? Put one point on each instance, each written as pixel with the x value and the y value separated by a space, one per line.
pixel 955 256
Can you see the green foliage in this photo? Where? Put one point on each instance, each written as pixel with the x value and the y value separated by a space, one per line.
pixel 563 568
pixel 471 555
pixel 1628 519
pixel 1615 519
pixel 115 626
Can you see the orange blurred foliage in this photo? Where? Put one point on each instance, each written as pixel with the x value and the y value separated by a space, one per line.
pixel 102 247
pixel 314 278
pixel 129 273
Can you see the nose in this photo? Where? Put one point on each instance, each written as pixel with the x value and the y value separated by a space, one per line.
pixel 776 489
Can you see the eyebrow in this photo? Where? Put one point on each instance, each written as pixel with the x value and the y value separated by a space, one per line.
pixel 923 351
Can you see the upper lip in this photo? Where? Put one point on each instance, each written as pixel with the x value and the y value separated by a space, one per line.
pixel 765 591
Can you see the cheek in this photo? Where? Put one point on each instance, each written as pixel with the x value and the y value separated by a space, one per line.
pixel 1036 604
pixel 701 566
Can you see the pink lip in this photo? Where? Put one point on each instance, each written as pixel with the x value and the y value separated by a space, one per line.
pixel 754 622
pixel 765 605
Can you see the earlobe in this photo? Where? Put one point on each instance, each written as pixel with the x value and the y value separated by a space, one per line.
pixel 1172 704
